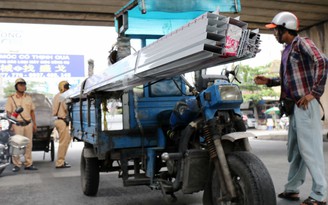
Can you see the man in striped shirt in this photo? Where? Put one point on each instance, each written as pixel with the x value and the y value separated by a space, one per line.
pixel 303 73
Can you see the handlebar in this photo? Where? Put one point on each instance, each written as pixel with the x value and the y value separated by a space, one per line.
pixel 11 120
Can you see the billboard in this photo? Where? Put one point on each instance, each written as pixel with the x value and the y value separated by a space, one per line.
pixel 41 65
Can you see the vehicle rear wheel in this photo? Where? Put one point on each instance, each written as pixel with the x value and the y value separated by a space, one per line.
pixel 52 149
pixel 251 179
pixel 89 174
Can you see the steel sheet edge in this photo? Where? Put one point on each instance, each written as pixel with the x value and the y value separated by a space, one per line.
pixel 205 49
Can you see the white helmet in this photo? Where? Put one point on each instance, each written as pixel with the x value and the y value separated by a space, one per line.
pixel 19 80
pixel 286 20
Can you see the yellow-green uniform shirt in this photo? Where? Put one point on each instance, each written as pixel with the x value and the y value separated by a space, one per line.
pixel 59 107
pixel 25 102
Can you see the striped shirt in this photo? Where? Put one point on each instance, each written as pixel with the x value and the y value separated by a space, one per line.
pixel 306 70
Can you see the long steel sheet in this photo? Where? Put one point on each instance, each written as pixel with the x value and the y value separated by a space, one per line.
pixel 199 44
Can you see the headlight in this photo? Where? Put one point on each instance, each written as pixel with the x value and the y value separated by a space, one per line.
pixel 230 93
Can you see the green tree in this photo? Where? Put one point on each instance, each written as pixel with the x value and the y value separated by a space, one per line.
pixel 32 87
pixel 250 90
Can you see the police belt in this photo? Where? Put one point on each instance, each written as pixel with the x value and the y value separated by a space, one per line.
pixel 23 123
pixel 63 119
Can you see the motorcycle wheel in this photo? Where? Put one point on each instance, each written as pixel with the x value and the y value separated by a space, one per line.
pixel 89 175
pixel 52 149
pixel 251 179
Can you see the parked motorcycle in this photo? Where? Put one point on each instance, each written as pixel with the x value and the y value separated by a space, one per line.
pixel 11 144
pixel 212 151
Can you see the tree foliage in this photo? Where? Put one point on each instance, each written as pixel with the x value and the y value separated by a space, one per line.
pixel 31 87
pixel 251 91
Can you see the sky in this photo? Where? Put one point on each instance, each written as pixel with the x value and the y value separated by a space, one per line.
pixel 270 50
pixel 90 41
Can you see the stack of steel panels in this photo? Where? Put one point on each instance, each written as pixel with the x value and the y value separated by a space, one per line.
pixel 203 42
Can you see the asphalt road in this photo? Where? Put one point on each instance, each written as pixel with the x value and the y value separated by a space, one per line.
pixel 50 186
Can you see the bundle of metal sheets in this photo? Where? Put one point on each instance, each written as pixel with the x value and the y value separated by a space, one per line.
pixel 207 41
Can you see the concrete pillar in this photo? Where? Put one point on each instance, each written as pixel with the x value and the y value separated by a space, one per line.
pixel 91 66
pixel 123 47
pixel 319 35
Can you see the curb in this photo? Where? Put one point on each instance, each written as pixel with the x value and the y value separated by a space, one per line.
pixel 283 137
pixel 272 137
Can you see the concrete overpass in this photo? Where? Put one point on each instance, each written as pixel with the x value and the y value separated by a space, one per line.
pixel 101 13
pixel 313 16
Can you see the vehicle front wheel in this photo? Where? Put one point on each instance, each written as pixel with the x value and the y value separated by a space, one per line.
pixel 52 149
pixel 89 174
pixel 251 179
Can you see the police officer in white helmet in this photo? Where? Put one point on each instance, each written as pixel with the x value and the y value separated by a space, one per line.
pixel 27 124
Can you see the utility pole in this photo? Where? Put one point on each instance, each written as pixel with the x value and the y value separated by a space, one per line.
pixel 91 66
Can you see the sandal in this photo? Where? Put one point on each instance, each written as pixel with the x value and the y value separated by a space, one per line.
pixel 292 196
pixel 312 201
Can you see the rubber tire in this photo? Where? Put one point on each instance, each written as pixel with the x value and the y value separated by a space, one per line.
pixel 89 175
pixel 240 126
pixel 251 179
pixel 52 150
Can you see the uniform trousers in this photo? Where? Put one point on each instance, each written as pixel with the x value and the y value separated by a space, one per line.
pixel 26 131
pixel 64 140
pixel 305 151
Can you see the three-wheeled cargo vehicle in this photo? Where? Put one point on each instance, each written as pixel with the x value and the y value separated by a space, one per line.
pixel 43 139
pixel 143 119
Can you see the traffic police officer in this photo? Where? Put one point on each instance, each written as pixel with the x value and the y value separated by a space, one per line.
pixel 59 110
pixel 27 123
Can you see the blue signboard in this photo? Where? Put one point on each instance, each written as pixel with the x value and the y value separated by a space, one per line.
pixel 41 65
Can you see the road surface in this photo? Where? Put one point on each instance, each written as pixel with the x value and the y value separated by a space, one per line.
pixel 50 186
